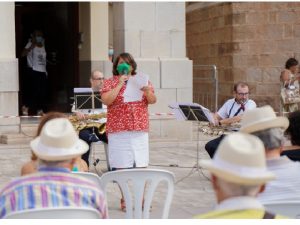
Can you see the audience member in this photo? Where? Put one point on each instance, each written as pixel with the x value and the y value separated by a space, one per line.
pixel 293 151
pixel 263 123
pixel 32 166
pixel 239 173
pixel 53 185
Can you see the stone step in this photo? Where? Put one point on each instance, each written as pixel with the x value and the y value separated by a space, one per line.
pixel 12 139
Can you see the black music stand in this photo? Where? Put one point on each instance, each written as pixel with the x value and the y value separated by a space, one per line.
pixel 193 112
pixel 87 99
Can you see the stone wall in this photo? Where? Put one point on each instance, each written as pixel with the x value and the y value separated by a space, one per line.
pixel 246 41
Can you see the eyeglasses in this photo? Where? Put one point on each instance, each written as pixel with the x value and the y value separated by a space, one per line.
pixel 100 78
pixel 242 94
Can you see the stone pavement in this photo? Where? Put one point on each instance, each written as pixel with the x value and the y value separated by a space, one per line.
pixel 192 195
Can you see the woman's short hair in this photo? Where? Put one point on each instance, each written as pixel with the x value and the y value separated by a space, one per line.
pixel 291 62
pixel 128 59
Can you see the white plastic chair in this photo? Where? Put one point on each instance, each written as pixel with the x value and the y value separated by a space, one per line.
pixel 56 213
pixel 289 209
pixel 91 176
pixel 140 178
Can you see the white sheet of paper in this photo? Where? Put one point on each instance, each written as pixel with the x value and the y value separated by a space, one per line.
pixel 134 84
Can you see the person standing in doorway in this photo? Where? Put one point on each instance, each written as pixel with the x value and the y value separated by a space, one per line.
pixel 36 60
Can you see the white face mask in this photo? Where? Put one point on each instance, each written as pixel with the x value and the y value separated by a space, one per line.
pixel 110 52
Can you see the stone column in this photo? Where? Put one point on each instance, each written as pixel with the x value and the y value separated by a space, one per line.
pixel 9 80
pixel 154 33
pixel 93 54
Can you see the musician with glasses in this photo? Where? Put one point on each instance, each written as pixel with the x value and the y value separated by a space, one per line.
pixel 231 112
pixel 91 134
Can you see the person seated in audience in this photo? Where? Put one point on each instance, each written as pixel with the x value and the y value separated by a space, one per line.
pixel 293 151
pixel 56 148
pixel 263 123
pixel 32 166
pixel 231 112
pixel 239 173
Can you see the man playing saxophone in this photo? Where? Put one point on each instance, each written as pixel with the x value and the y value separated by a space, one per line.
pixel 92 132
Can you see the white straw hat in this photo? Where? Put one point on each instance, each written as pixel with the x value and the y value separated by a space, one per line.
pixel 261 119
pixel 58 141
pixel 240 158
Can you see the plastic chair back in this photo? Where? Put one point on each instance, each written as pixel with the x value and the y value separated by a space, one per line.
pixel 139 179
pixel 56 213
pixel 289 209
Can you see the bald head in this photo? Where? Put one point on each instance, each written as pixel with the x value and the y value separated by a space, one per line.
pixel 96 80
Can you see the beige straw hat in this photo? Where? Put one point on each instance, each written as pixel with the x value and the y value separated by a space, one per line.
pixel 261 119
pixel 58 141
pixel 240 158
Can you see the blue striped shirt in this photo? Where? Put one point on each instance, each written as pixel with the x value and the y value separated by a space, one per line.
pixel 51 187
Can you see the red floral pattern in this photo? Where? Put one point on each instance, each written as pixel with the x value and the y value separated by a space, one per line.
pixel 125 116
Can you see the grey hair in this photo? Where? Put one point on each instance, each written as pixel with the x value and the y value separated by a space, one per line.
pixel 272 138
pixel 94 71
pixel 233 190
pixel 53 163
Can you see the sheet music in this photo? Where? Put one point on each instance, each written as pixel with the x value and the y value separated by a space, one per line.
pixel 180 115
pixel 133 87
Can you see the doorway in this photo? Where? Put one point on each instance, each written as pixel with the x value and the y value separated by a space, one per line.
pixel 59 23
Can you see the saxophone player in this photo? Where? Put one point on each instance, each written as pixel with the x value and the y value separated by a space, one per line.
pixel 91 134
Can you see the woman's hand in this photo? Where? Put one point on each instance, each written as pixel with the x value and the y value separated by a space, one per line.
pixel 123 79
pixel 151 98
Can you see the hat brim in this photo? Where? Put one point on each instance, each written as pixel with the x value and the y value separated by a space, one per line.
pixel 55 154
pixel 281 122
pixel 234 177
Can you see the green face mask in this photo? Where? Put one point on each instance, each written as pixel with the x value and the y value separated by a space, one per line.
pixel 123 68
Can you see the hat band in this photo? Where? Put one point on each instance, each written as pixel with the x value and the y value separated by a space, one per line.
pixel 44 149
pixel 244 171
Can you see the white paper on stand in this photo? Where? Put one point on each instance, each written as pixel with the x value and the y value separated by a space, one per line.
pixel 134 84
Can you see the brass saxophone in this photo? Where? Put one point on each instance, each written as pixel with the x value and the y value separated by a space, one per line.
pixel 88 122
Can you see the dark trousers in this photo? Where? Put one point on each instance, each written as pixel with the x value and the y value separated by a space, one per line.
pixel 38 92
pixel 88 136
pixel 211 146
pixel 26 86
pixel 292 154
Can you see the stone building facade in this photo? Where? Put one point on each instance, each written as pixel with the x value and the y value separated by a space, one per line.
pixel 247 41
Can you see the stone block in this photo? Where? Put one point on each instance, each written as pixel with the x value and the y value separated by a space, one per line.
pixel 254 74
pixel 178 49
pixel 107 68
pixel 269 32
pixel 288 16
pixel 244 33
pixel 10 101
pixel 155 44
pixel 271 75
pixel 154 129
pixel 184 94
pixel 288 31
pixel 140 16
pixel 8 129
pixel 170 16
pixel 266 89
pixel 289 46
pixel 257 18
pixel 164 98
pixel 133 42
pixel 176 73
pixel 150 67
pixel 297 31
pixel 9 76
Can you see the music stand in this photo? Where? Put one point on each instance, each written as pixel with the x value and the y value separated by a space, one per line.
pixel 192 112
pixel 87 99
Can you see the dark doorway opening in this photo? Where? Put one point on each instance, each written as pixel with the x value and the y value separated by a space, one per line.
pixel 59 24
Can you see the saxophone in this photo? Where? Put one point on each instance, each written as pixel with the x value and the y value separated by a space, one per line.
pixel 88 122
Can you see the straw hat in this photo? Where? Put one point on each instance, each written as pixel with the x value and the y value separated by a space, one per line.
pixel 240 158
pixel 261 119
pixel 58 141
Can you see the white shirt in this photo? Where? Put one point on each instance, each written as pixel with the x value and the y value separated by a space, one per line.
pixel 36 58
pixel 286 186
pixel 230 108
pixel 239 203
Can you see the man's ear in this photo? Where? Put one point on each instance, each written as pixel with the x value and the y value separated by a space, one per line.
pixel 262 189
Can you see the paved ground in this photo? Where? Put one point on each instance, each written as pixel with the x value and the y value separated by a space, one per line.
pixel 193 194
